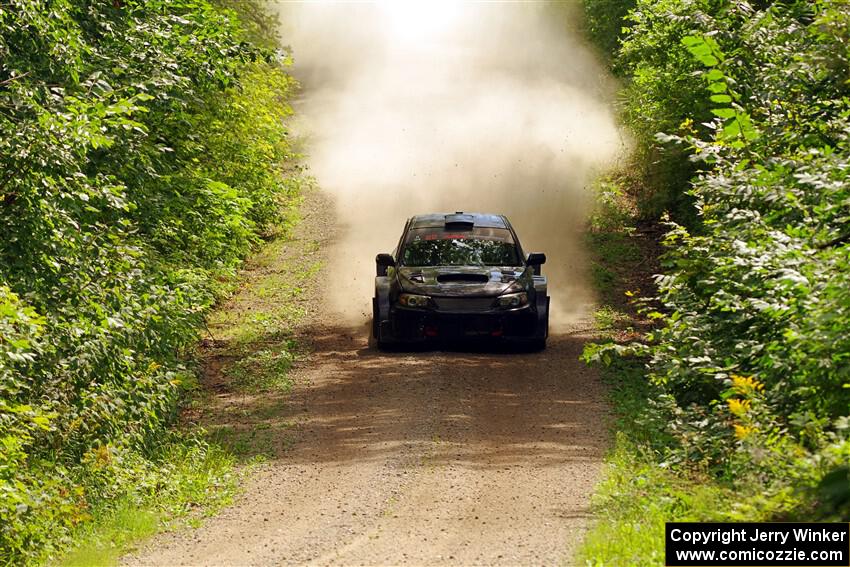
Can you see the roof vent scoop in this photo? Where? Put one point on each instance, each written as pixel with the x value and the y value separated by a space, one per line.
pixel 460 221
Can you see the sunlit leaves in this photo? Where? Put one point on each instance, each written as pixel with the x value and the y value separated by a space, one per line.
pixel 141 151
pixel 761 286
pixel 704 49
pixel 737 127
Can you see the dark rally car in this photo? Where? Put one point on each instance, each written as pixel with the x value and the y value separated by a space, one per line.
pixel 460 276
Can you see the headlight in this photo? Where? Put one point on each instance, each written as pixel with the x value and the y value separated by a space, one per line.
pixel 410 300
pixel 511 300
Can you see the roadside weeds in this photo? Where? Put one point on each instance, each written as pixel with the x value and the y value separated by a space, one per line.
pixel 637 495
pixel 233 416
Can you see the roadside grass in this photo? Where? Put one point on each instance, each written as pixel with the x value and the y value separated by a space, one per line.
pixel 637 495
pixel 635 500
pixel 195 481
pixel 102 544
pixel 265 369
pixel 609 319
pixel 254 445
pixel 234 409
pixel 253 343
pixel 253 333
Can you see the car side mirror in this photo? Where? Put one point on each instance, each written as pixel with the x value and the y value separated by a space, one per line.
pixel 384 261
pixel 535 260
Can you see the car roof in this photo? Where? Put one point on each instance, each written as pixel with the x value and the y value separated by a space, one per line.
pixel 435 220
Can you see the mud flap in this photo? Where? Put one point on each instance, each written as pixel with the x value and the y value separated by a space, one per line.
pixel 381 328
pixel 541 288
pixel 542 331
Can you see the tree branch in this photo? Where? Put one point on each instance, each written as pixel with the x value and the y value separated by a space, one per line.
pixel 835 241
pixel 15 78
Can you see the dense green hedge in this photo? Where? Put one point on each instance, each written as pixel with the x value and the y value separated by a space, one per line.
pixel 141 143
pixel 751 363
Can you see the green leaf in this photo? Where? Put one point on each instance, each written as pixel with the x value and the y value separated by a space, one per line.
pixel 723 112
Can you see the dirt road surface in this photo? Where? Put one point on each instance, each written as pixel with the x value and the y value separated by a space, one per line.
pixel 416 458
pixel 459 457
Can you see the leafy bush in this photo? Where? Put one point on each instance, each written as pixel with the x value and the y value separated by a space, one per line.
pixel 141 146
pixel 753 358
pixel 604 23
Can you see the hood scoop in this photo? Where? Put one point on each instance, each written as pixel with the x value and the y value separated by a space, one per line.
pixel 463 278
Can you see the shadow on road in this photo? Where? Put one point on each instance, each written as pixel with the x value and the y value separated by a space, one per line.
pixel 474 405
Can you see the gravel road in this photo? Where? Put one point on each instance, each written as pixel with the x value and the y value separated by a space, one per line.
pixel 419 458
pixel 436 457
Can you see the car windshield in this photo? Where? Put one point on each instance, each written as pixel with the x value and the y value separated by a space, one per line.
pixel 476 247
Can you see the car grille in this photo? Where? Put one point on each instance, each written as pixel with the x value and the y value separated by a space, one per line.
pixel 464 304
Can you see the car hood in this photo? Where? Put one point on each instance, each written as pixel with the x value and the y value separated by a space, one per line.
pixel 453 281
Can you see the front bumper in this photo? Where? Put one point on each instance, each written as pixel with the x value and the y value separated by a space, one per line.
pixel 411 325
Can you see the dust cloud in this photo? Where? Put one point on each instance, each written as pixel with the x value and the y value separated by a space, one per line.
pixel 410 108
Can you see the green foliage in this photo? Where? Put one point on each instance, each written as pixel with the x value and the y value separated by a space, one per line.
pixel 191 477
pixel 752 359
pixel 636 499
pixel 259 26
pixel 612 212
pixel 141 151
pixel 737 128
pixel 764 291
pixel 662 93
pixel 607 318
pixel 616 258
pixel 265 369
pixel 604 23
